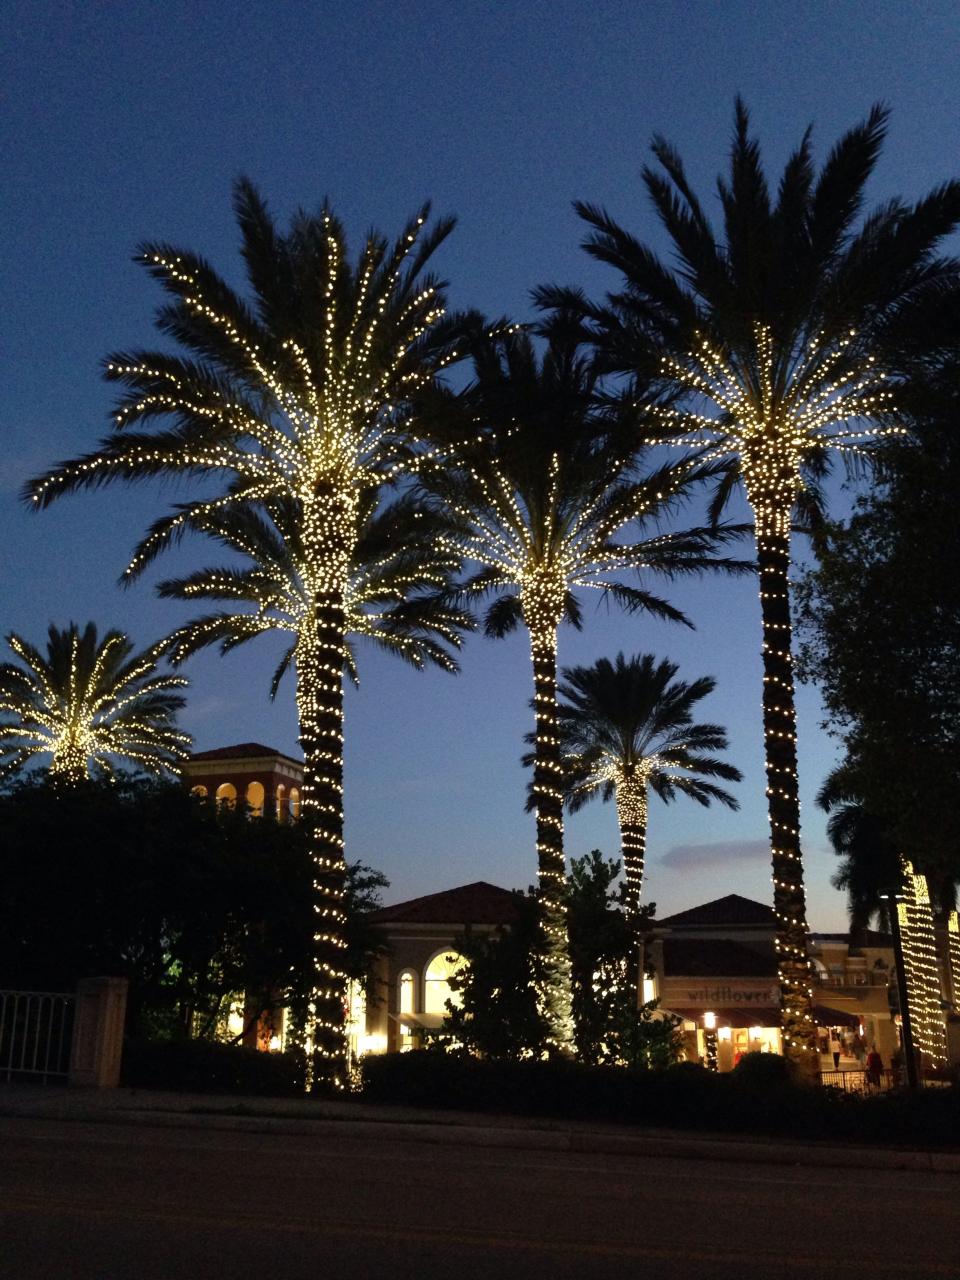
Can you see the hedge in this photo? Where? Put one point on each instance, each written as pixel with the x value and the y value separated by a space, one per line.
pixel 203 1066
pixel 754 1099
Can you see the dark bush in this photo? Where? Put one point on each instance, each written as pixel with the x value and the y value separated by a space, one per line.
pixel 765 1071
pixel 760 1100
pixel 203 1066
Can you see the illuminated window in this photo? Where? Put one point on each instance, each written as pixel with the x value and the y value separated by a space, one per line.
pixel 436 984
pixel 407 997
pixel 281 802
pixel 199 791
pixel 254 799
pixel 407 989
pixel 227 794
pixel 294 802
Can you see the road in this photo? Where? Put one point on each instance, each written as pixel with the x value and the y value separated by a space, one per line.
pixel 102 1202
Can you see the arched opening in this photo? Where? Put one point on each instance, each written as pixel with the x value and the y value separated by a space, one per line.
pixel 254 798
pixel 281 802
pixel 227 794
pixel 199 791
pixel 294 802
pixel 407 1001
pixel 436 981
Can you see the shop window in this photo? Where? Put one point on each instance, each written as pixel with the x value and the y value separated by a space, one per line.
pixel 227 794
pixel 281 802
pixel 294 802
pixel 199 791
pixel 436 982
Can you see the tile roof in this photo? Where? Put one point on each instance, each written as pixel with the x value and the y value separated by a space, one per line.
pixel 241 751
pixel 731 910
pixel 478 903
pixel 717 958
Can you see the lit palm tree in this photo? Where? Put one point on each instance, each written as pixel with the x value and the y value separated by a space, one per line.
pixel 300 394
pixel 87 703
pixel 781 337
pixel 544 496
pixel 394 597
pixel 626 729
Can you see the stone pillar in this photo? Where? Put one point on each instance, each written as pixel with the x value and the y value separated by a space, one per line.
pixel 97 1046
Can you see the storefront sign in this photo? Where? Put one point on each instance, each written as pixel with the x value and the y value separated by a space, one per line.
pixel 723 993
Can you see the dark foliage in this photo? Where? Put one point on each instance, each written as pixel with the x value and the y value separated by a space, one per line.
pixel 880 618
pixel 191 902
pixel 200 1066
pixel 682 1097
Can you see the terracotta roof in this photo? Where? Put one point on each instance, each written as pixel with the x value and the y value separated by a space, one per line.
pixel 716 958
pixel 479 903
pixel 732 910
pixel 242 751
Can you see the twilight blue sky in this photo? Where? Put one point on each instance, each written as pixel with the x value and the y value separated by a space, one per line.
pixel 129 121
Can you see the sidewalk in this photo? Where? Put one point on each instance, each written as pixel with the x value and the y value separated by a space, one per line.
pixel 313 1118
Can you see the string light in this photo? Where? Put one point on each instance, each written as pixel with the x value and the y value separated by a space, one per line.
pixel 87 704
pixel 774 410
pixel 918 936
pixel 315 422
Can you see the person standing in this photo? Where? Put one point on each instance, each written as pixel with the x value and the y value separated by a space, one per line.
pixel 874 1067
pixel 835 1048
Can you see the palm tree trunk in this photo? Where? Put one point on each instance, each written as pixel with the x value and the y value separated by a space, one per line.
pixel 320 704
pixel 632 816
pixel 329 531
pixel 783 802
pixel 556 997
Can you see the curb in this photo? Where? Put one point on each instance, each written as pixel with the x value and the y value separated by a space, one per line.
pixel 510 1138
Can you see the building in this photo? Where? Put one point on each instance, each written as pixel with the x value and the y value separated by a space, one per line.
pixel 717 970
pixel 411 982
pixel 260 776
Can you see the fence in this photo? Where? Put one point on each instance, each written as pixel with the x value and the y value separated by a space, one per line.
pixel 36 1030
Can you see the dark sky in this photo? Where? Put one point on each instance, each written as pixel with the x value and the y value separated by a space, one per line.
pixel 129 121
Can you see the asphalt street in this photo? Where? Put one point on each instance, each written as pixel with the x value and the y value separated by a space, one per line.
pixel 88 1201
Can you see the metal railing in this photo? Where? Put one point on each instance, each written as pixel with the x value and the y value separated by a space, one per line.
pixel 859 1080
pixel 36 1028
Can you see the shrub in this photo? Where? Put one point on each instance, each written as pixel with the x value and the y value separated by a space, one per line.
pixel 203 1066
pixel 762 1099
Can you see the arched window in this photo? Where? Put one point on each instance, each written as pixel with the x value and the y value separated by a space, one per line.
pixel 408 992
pixel 199 791
pixel 281 802
pixel 294 802
pixel 254 799
pixel 436 981
pixel 407 1000
pixel 227 794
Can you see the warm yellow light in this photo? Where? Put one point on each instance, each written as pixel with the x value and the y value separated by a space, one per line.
pixel 710 1021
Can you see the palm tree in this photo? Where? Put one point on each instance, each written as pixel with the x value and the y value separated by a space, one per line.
pixel 544 493
pixel 86 704
pixel 394 597
pixel 781 336
pixel 626 729
pixel 300 394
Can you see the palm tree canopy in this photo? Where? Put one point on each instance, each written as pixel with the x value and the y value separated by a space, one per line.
pixel 395 594
pixel 870 867
pixel 632 720
pixel 88 702
pixel 299 390
pixel 792 321
pixel 545 477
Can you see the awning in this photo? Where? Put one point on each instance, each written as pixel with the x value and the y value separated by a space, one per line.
pixel 824 1016
pixel 763 1016
pixel 429 1021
